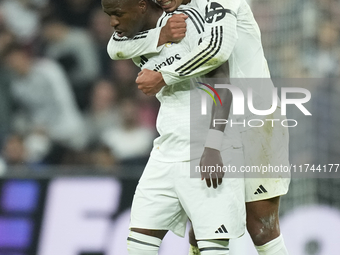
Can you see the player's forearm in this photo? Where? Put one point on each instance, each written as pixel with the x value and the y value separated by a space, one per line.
pixel 143 43
pixel 215 134
pixel 215 49
pixel 221 111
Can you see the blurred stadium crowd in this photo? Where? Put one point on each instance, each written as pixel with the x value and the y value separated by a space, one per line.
pixel 64 102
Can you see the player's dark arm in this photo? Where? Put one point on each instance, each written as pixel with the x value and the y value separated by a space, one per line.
pixel 211 155
pixel 146 42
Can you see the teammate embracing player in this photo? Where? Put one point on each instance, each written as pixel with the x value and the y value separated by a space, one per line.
pixel 230 34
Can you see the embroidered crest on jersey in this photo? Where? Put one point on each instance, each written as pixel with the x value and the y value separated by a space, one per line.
pixel 215 12
pixel 169 44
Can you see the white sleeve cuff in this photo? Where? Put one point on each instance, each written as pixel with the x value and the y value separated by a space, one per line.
pixel 214 139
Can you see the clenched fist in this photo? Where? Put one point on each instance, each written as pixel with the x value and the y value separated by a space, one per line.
pixel 150 82
pixel 174 29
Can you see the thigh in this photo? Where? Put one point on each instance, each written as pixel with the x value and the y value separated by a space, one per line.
pixel 266 148
pixel 263 220
pixel 263 208
pixel 267 145
pixel 215 213
pixel 155 204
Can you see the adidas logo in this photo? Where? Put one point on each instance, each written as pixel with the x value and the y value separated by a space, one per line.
pixel 221 229
pixel 260 190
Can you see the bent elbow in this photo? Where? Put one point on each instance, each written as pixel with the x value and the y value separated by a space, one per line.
pixel 114 55
pixel 225 52
pixel 224 56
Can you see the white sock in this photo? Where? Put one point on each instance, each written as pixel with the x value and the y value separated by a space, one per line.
pixel 214 247
pixel 274 247
pixel 140 244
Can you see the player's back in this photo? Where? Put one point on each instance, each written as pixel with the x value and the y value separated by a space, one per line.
pixel 247 59
pixel 248 65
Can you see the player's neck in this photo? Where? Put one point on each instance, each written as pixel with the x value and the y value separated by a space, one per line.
pixel 186 1
pixel 154 13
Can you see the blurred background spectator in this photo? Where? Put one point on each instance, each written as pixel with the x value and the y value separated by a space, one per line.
pixel 22 17
pixel 14 152
pixel 75 51
pixel 5 104
pixel 60 91
pixel 100 32
pixel 103 112
pixel 130 141
pixel 75 12
pixel 44 101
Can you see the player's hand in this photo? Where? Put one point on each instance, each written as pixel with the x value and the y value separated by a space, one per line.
pixel 211 157
pixel 150 82
pixel 174 29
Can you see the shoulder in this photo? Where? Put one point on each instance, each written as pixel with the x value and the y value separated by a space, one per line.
pixel 195 20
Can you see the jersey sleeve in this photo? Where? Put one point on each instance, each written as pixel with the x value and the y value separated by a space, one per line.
pixel 143 43
pixel 218 41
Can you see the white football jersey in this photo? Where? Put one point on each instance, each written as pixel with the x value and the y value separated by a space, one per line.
pixel 182 133
pixel 231 32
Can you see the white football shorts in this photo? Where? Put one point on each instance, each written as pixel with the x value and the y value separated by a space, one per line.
pixel 266 148
pixel 166 196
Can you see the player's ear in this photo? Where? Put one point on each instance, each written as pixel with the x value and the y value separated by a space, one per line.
pixel 142 5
